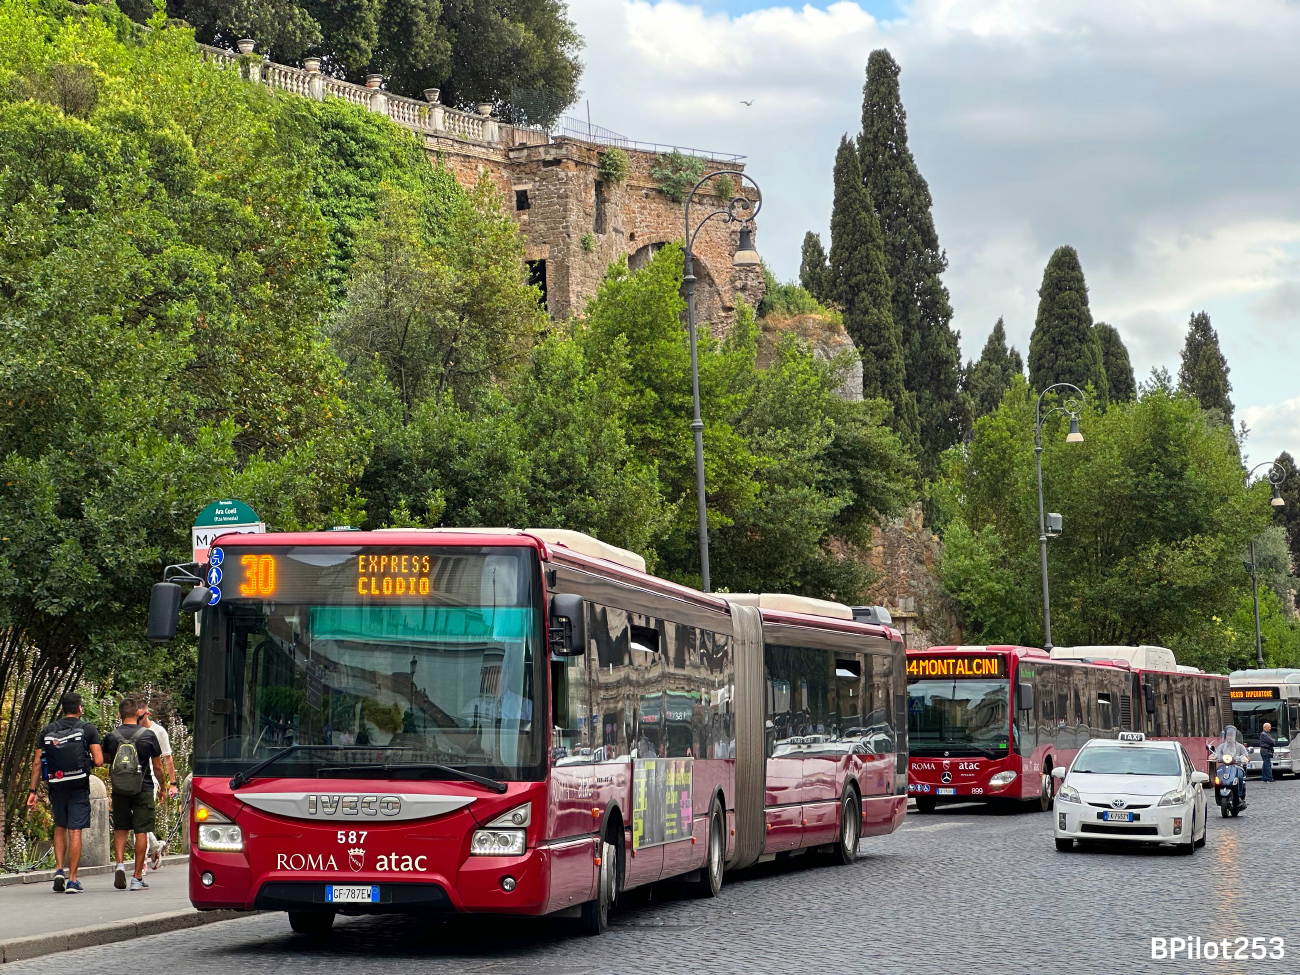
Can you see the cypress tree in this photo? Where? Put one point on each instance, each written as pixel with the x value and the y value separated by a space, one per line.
pixel 990 377
pixel 1204 371
pixel 913 260
pixel 1064 347
pixel 859 284
pixel 1114 360
pixel 812 267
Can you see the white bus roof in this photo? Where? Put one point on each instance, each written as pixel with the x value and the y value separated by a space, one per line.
pixel 1141 658
pixel 587 545
pixel 1274 676
pixel 782 602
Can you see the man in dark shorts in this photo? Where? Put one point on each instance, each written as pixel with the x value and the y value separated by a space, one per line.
pixel 132 751
pixel 69 749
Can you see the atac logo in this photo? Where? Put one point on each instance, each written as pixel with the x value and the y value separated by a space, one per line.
pixel 357 859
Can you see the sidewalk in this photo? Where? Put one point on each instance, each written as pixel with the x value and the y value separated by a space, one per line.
pixel 36 921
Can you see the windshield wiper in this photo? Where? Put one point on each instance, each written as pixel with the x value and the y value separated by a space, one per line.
pixel 392 771
pixel 243 778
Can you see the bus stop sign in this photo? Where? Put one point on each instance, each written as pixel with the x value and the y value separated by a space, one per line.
pixel 219 518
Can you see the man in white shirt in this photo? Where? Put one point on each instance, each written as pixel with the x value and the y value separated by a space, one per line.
pixel 165 742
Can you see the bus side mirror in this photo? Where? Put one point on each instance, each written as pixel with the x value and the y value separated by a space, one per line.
pixel 1149 698
pixel 1025 696
pixel 567 633
pixel 196 599
pixel 164 607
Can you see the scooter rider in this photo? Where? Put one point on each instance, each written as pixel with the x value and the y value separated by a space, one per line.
pixel 1231 746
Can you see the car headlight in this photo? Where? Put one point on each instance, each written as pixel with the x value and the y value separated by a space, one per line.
pixel 498 842
pixel 1284 753
pixel 1178 797
pixel 1002 779
pixel 221 838
pixel 1069 793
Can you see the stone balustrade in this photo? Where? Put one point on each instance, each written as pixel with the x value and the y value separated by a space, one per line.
pixel 426 119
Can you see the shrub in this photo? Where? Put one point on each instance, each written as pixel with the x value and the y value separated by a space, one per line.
pixel 613 165
pixel 676 173
pixel 589 242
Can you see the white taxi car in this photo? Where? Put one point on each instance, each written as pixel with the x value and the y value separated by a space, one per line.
pixel 1131 789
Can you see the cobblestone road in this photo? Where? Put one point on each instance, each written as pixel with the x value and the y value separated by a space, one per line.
pixel 963 890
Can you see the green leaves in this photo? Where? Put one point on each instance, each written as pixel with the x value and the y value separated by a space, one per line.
pixel 1064 346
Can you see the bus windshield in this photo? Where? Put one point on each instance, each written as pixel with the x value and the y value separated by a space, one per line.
pixel 958 716
pixel 444 674
pixel 1249 718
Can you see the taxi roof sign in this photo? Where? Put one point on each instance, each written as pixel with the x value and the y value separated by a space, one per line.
pixel 1132 736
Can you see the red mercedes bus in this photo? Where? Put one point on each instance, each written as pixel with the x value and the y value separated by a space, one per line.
pixel 514 722
pixel 990 723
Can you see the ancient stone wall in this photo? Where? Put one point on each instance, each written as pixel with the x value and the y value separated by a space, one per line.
pixel 907 556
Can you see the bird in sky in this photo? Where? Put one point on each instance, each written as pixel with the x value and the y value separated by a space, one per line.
pixel 747 103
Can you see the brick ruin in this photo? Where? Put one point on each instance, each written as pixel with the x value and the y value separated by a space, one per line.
pixel 575 224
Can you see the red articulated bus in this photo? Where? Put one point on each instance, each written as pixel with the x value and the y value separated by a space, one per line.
pixel 990 723
pixel 515 722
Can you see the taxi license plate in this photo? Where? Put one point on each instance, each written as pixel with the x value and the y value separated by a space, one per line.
pixel 351 895
pixel 1117 817
pixel 945 792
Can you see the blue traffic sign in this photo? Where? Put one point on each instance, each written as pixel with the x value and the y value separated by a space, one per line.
pixel 214 577
pixel 216 556
pixel 215 597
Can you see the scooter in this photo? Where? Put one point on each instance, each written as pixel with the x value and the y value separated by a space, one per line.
pixel 1229 784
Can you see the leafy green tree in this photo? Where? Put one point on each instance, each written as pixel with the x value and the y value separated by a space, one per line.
pixel 859 285
pixel 1204 369
pixel 1064 347
pixel 1156 518
pixel 784 300
pixel 813 271
pixel 441 298
pixel 990 377
pixel 913 260
pixel 1115 363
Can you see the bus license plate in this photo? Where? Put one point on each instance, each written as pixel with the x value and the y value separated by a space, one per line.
pixel 1117 817
pixel 945 792
pixel 351 895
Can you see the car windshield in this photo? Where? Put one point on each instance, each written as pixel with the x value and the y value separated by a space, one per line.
pixel 1250 717
pixel 1127 760
pixel 444 676
pixel 958 715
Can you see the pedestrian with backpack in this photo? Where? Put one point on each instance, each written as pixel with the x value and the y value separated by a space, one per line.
pixel 70 748
pixel 132 752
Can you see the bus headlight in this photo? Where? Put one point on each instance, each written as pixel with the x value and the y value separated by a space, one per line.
pixel 221 838
pixel 498 843
pixel 1068 793
pixel 1284 754
pixel 1002 779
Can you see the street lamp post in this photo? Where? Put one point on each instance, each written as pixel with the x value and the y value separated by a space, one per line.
pixel 1071 409
pixel 742 210
pixel 1276 475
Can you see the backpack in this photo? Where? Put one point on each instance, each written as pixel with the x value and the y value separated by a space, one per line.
pixel 66 756
pixel 126 773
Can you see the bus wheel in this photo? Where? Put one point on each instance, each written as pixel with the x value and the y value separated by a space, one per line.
pixel 926 804
pixel 595 913
pixel 311 923
pixel 711 873
pixel 846 850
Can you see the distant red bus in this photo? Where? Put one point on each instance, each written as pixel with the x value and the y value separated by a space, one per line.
pixel 517 722
pixel 990 723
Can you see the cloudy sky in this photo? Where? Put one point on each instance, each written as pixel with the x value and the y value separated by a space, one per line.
pixel 1159 138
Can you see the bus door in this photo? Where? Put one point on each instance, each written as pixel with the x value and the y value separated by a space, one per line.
pixel 783 797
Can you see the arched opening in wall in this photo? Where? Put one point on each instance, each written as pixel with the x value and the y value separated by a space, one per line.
pixel 537 276
pixel 642 255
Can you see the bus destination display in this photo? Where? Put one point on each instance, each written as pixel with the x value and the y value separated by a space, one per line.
pixel 957 666
pixel 392 574
pixel 314 574
pixel 1254 694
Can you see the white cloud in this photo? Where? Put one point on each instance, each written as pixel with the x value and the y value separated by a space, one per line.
pixel 1154 137
pixel 1273 428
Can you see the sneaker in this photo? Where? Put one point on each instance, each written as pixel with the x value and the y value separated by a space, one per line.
pixel 74 887
pixel 58 881
pixel 119 877
pixel 138 883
